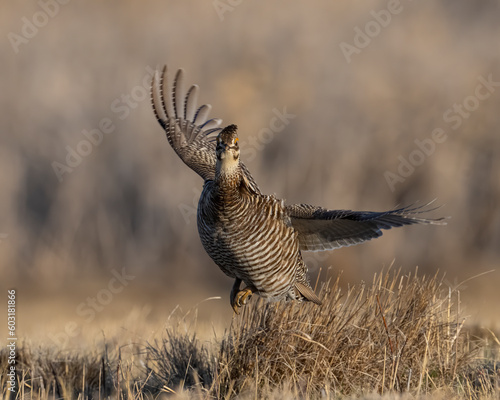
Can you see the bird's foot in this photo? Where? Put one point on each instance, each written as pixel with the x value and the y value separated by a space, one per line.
pixel 234 290
pixel 241 298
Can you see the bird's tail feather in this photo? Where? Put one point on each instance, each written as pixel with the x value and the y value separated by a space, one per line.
pixel 307 292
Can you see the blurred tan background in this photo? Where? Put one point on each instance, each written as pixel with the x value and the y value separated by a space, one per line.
pixel 359 101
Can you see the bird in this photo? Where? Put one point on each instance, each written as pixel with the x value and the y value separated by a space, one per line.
pixel 254 238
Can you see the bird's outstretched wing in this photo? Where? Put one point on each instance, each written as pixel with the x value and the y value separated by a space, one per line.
pixel 321 229
pixel 189 130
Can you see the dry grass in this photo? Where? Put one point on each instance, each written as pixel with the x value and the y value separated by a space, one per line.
pixel 402 333
pixel 399 336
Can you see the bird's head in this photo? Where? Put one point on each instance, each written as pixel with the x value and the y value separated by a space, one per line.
pixel 228 150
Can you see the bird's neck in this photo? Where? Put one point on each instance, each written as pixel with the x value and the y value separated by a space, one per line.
pixel 228 177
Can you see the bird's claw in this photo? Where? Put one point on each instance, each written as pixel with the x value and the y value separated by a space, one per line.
pixel 240 299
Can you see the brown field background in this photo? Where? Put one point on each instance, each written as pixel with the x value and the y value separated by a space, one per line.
pixel 121 207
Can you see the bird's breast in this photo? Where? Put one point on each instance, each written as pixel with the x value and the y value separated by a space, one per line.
pixel 250 239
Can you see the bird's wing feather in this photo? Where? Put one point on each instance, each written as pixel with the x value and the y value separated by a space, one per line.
pixel 189 130
pixel 320 229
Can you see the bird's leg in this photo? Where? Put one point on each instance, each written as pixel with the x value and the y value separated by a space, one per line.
pixel 241 298
pixel 234 290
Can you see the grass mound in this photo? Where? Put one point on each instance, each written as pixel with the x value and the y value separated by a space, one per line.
pixel 401 333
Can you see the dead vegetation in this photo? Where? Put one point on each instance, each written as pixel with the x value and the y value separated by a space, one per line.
pixel 400 335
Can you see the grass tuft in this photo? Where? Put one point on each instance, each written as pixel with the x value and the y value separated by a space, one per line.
pixel 401 333
pixel 178 361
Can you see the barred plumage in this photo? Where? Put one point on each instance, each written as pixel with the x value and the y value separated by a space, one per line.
pixel 254 238
pixel 249 235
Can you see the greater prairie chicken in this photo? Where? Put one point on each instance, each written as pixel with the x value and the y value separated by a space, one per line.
pixel 254 238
